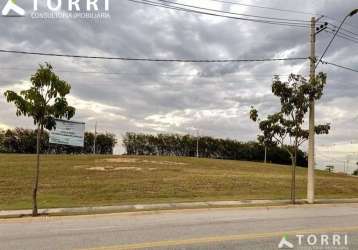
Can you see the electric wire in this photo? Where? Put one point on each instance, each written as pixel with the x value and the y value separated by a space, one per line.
pixel 339 66
pixel 282 23
pixel 266 7
pixel 152 59
pixel 228 12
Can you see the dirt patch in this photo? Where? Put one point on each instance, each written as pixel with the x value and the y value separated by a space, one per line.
pixel 136 160
pixel 81 166
pixel 114 164
pixel 97 169
pixel 128 168
pixel 119 160
pixel 111 168
pixel 170 163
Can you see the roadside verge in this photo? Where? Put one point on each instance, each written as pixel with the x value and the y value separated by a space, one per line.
pixel 163 206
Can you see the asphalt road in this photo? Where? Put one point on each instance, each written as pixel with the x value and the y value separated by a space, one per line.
pixel 230 228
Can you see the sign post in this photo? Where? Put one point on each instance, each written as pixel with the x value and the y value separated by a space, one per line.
pixel 68 133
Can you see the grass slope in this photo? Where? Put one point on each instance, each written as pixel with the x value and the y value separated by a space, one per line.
pixel 71 181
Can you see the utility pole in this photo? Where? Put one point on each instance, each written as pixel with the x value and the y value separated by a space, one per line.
pixel 311 139
pixel 95 137
pixel 313 66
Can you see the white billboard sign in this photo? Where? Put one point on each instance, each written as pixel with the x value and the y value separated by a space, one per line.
pixel 68 133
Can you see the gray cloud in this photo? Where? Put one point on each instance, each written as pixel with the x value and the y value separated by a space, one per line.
pixel 173 97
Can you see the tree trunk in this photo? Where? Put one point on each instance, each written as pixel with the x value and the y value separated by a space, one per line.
pixel 37 173
pixel 293 180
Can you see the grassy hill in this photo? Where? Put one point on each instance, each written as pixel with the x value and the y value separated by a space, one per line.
pixel 71 181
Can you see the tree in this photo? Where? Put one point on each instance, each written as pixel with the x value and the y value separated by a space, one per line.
pixel 2 138
pixel 266 143
pixel 355 172
pixel 330 168
pixel 284 128
pixel 44 101
pixel 185 145
pixel 105 143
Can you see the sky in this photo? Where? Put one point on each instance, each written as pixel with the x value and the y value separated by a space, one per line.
pixel 213 98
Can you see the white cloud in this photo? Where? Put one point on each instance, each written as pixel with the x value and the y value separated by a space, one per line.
pixel 168 97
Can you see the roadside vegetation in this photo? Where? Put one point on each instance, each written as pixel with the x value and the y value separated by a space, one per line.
pixel 206 147
pixel 23 141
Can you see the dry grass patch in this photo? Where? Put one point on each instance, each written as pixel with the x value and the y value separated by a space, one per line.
pixel 87 180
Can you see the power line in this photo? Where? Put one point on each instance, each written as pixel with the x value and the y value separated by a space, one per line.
pixel 290 11
pixel 350 142
pixel 343 32
pixel 253 18
pixel 328 157
pixel 265 7
pixel 200 74
pixel 339 66
pixel 343 36
pixel 231 13
pixel 289 24
pixel 337 21
pixel 167 6
pixel 341 152
pixel 346 30
pixel 269 20
pixel 152 59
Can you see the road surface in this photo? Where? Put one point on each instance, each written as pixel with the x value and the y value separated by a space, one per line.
pixel 225 228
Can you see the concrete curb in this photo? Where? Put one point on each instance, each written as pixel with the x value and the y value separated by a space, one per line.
pixel 163 206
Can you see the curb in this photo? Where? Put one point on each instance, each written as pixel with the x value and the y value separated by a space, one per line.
pixel 163 206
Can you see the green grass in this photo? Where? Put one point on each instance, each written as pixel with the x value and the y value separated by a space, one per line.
pixel 66 181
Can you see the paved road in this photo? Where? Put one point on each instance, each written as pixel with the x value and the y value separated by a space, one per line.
pixel 231 228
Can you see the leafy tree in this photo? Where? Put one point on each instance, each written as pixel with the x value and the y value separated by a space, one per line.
pixel 10 142
pixel 284 128
pixel 266 143
pixel 105 143
pixel 355 172
pixel 44 101
pixel 2 138
pixel 23 141
pixel 185 145
pixel 330 168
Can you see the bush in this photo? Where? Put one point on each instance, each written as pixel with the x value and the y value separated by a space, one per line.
pixel 23 141
pixel 185 145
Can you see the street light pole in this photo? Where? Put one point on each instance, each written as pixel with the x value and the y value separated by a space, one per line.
pixel 352 13
pixel 311 141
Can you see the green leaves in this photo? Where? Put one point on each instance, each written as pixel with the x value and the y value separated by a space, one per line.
pixel 253 114
pixel 286 125
pixel 45 100
pixel 323 129
pixel 23 106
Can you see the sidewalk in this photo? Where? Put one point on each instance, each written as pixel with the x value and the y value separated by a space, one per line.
pixel 162 206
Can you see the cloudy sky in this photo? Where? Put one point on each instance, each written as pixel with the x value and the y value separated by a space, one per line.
pixel 181 97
